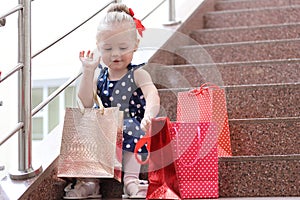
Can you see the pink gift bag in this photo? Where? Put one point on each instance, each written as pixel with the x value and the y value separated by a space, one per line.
pixel 207 104
pixel 196 154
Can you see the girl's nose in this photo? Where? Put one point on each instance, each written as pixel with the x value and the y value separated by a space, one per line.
pixel 115 52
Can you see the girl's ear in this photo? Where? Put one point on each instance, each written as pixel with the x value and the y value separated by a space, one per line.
pixel 136 44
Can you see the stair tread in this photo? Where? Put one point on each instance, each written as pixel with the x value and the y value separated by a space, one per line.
pixel 260 158
pixel 216 12
pixel 264 136
pixel 259 176
pixel 263 26
pixel 250 33
pixel 231 73
pixel 238 51
pixel 246 4
pixel 251 17
pixel 248 101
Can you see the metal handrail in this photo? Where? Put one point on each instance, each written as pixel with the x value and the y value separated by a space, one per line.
pixel 25 113
pixel 2 17
pixel 16 129
pixel 55 93
pixel 15 69
pixel 154 9
pixel 71 31
pixel 13 10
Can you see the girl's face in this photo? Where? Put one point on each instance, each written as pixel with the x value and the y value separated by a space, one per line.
pixel 117 46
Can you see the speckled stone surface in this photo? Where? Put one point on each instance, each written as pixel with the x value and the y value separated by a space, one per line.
pixel 264 101
pixel 44 186
pixel 255 137
pixel 276 104
pixel 252 17
pixel 247 4
pixel 241 34
pixel 111 188
pixel 196 21
pixel 50 187
pixel 252 101
pixel 259 176
pixel 238 52
pixel 241 73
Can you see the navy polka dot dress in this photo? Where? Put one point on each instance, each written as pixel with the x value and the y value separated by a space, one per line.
pixel 129 98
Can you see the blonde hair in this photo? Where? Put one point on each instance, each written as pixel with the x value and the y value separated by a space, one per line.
pixel 117 13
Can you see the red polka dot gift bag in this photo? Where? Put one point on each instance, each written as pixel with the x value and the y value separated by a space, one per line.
pixel 204 104
pixel 196 159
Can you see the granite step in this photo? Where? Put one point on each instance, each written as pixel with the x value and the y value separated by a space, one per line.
pixel 270 136
pixel 238 73
pixel 247 101
pixel 238 52
pixel 259 176
pixel 263 101
pixel 239 175
pixel 242 34
pixel 248 4
pixel 252 17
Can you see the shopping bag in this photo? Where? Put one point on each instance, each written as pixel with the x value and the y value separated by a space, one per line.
pixel 91 145
pixel 207 103
pixel 196 154
pixel 163 183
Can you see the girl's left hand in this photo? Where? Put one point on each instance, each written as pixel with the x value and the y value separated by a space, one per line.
pixel 90 61
pixel 145 123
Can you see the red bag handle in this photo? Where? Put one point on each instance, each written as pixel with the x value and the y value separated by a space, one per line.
pixel 144 140
pixel 199 147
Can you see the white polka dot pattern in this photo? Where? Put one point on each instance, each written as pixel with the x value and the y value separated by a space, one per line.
pixel 207 104
pixel 196 154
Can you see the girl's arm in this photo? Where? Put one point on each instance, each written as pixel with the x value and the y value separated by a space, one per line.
pixel 87 85
pixel 143 80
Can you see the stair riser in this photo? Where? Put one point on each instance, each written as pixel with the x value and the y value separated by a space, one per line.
pixel 238 52
pixel 235 5
pixel 263 102
pixel 247 102
pixel 230 35
pixel 184 76
pixel 269 137
pixel 259 178
pixel 252 17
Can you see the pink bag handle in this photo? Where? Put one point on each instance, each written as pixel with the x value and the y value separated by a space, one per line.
pixel 203 87
pixel 198 152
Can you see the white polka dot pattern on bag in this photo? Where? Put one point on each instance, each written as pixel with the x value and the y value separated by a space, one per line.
pixel 195 150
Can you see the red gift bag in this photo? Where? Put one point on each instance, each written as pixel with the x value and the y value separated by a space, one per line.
pixel 207 104
pixel 163 183
pixel 196 164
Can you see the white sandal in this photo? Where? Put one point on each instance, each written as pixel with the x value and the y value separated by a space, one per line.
pixel 83 190
pixel 141 193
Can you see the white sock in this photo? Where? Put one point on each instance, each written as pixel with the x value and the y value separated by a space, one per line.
pixel 131 172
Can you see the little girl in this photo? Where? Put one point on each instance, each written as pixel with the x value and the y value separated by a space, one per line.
pixel 121 84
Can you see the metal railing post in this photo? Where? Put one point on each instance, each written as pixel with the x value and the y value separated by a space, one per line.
pixel 25 169
pixel 2 22
pixel 172 16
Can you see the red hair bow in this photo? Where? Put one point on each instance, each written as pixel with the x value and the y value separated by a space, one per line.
pixel 139 26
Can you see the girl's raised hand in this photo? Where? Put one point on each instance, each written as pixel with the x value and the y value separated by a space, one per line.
pixel 89 61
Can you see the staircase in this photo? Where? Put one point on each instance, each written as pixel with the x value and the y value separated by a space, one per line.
pixel 254 45
pixel 252 49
